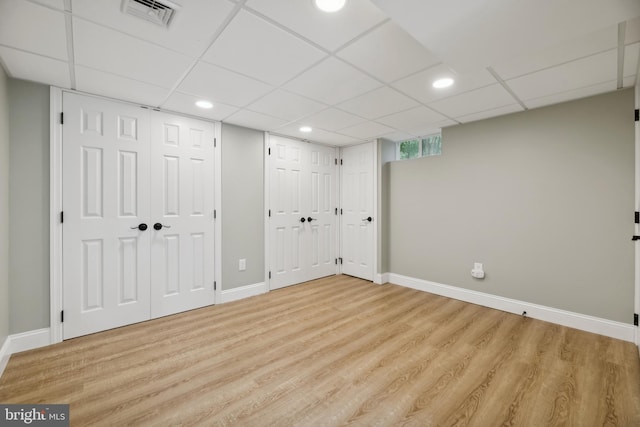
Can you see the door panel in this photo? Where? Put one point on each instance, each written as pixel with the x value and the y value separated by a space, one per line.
pixel 302 223
pixel 357 204
pixel 106 196
pixel 125 166
pixel 182 202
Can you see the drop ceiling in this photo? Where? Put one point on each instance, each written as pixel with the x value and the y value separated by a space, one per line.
pixel 358 74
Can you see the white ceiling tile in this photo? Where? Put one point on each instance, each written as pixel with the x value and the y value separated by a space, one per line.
pixel 475 101
pixel 432 128
pixel 378 103
pixel 389 53
pixel 332 119
pixel 632 33
pixel 259 49
pixel 412 120
pixel 113 86
pixel 573 75
pixel 316 135
pixel 190 32
pixel 332 81
pixel 367 130
pixel 220 85
pixel 286 105
pixel 255 120
pixel 631 53
pixel 108 50
pixel 569 95
pixel 329 30
pixel 420 85
pixel 580 47
pixel 34 28
pixel 470 34
pixel 184 103
pixel 507 109
pixel 398 136
pixel 27 66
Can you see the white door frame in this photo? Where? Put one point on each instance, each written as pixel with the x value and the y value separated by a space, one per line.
pixel 267 203
pixel 636 305
pixel 55 207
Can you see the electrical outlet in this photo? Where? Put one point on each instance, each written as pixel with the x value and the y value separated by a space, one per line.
pixel 242 264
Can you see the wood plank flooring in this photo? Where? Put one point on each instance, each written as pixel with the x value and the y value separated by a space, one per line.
pixel 336 351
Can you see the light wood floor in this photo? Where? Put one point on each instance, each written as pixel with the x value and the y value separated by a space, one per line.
pixel 337 351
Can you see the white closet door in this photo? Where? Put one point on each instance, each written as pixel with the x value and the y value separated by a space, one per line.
pixel 321 221
pixel 288 223
pixel 105 198
pixel 358 209
pixel 182 228
pixel 302 230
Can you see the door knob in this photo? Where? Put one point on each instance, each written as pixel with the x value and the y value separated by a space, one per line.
pixel 158 226
pixel 311 219
pixel 140 227
pixel 367 219
pixel 302 219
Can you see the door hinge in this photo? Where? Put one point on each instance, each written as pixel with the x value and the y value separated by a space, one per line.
pixel 340 211
pixel 637 217
pixel 340 162
pixel 336 161
pixel 637 115
pixel 269 275
pixel 215 142
pixel 336 211
pixel 340 261
pixel 215 214
pixel 336 261
pixel 269 150
pixel 62 217
pixel 61 118
pixel 269 213
pixel 62 316
pixel 635 319
pixel 215 285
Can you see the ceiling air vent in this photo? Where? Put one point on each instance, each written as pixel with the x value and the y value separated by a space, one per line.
pixel 160 13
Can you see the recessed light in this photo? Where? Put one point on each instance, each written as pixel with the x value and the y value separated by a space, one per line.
pixel 305 129
pixel 329 5
pixel 442 83
pixel 204 104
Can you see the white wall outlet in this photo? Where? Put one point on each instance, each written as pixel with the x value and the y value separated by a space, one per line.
pixel 242 264
pixel 477 271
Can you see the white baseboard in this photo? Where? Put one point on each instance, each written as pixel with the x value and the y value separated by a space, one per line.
pixel 228 295
pixel 610 328
pixel 23 342
pixel 381 279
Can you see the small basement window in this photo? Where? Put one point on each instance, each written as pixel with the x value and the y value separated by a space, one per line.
pixel 420 147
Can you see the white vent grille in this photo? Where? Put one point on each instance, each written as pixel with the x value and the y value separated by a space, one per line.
pixel 160 13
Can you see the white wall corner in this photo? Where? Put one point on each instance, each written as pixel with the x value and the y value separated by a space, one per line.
pixel 381 278
pixel 4 354
pixel 23 342
pixel 242 292
pixel 609 328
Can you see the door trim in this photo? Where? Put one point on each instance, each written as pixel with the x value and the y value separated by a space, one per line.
pixel 55 205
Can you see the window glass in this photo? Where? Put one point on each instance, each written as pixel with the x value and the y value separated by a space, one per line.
pixel 410 149
pixel 432 145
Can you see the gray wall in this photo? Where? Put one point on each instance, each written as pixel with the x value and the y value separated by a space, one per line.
pixel 386 154
pixel 4 207
pixel 242 206
pixel 29 206
pixel 543 198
